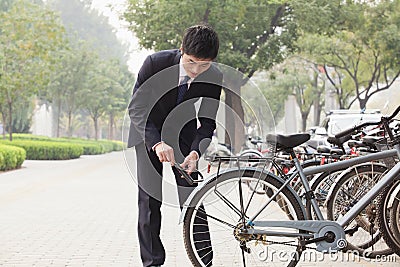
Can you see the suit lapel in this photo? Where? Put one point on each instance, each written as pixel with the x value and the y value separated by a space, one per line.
pixel 173 91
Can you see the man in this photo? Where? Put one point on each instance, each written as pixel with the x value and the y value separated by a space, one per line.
pixel 167 127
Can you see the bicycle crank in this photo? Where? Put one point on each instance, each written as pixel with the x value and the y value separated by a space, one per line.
pixel 327 235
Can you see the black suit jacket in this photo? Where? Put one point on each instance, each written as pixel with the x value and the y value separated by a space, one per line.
pixel 153 111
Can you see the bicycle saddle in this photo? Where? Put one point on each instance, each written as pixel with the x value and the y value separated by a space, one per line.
pixel 338 141
pixel 287 141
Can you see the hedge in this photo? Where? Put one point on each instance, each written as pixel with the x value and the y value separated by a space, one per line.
pixel 90 147
pixel 25 136
pixel 11 157
pixel 47 150
pixel 112 145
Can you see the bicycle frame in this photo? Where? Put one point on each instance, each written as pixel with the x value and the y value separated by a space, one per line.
pixel 335 166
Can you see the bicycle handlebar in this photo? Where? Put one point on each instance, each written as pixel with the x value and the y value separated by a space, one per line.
pixel 355 128
pixel 358 127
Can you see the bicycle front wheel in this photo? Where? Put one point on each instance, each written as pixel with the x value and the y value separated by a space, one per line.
pixel 213 223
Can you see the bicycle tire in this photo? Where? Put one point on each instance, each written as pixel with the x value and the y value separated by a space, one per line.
pixel 395 217
pixel 252 154
pixel 388 209
pixel 344 194
pixel 228 252
pixel 298 185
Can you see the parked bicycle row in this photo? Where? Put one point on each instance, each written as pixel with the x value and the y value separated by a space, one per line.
pixel 341 197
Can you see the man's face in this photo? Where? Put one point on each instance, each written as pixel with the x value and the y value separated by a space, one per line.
pixel 195 66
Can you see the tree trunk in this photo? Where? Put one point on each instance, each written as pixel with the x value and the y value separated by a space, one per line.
pixel 111 127
pixel 95 122
pixel 69 124
pixel 363 103
pixel 234 114
pixel 304 121
pixel 317 110
pixel 10 131
pixel 58 118
pixel 317 99
pixel 4 118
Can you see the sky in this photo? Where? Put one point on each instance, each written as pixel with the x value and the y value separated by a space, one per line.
pixel 136 54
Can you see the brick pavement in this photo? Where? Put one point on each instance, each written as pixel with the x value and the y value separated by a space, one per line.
pixel 83 213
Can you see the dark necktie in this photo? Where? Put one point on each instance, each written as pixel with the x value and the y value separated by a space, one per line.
pixel 182 88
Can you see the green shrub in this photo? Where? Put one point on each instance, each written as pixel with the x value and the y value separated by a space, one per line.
pixel 117 145
pixel 106 145
pixel 48 150
pixel 90 147
pixel 25 136
pixel 11 157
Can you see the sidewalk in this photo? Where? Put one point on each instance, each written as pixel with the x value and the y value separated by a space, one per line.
pixel 83 212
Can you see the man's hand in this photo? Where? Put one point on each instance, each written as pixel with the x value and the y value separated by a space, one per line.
pixel 165 153
pixel 190 162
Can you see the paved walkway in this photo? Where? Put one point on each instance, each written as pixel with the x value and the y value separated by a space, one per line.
pixel 83 213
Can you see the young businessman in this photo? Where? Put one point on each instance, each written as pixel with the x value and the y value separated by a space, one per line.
pixel 167 127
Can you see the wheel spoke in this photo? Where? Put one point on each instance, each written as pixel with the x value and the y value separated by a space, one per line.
pixel 213 224
pixel 201 210
pixel 228 203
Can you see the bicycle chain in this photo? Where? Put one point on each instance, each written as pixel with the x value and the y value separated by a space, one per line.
pixel 260 238
pixel 285 243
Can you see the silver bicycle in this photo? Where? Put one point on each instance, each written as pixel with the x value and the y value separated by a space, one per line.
pixel 251 229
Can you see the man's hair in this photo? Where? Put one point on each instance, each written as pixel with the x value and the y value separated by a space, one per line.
pixel 200 41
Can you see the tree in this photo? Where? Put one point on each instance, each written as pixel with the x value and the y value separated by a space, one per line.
pixel 6 4
pixel 275 95
pixel 362 57
pixel 63 81
pixel 88 24
pixel 30 36
pixel 125 80
pixel 297 77
pixel 22 115
pixel 85 82
pixel 72 80
pixel 104 90
pixel 254 35
pixel 305 89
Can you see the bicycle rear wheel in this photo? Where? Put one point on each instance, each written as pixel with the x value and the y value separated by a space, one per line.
pixel 216 214
pixel 388 209
pixel 364 235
